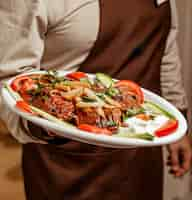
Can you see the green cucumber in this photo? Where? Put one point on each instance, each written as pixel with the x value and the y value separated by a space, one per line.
pixel 112 91
pixel 131 112
pixel 105 80
pixel 86 80
pixel 143 136
pixel 156 109
pixel 88 99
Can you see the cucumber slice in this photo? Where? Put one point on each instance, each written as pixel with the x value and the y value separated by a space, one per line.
pixel 143 136
pixel 86 80
pixel 105 80
pixel 112 92
pixel 149 106
pixel 128 132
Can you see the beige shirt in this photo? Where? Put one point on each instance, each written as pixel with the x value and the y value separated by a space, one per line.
pixel 60 34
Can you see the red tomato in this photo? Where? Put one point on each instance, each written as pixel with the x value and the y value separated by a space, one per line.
pixel 76 75
pixel 94 129
pixel 132 87
pixel 22 83
pixel 167 129
pixel 25 107
pixel 26 97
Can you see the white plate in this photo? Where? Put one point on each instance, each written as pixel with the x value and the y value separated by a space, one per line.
pixel 104 140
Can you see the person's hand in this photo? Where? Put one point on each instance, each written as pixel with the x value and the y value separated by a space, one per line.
pixel 180 157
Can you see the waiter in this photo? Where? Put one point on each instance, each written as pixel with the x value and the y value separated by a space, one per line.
pixel 126 39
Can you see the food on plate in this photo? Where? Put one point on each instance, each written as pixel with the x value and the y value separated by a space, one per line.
pixel 96 104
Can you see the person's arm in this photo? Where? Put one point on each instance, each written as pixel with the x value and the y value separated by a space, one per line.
pixel 21 48
pixel 171 72
pixel 172 87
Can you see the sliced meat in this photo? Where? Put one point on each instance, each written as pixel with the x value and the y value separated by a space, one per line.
pixel 61 108
pixel 88 116
pixel 116 113
pixel 39 103
pixel 113 115
pixel 56 106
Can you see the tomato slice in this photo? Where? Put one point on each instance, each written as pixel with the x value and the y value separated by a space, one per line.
pixel 26 97
pixel 94 129
pixel 22 83
pixel 77 75
pixel 25 107
pixel 167 129
pixel 132 87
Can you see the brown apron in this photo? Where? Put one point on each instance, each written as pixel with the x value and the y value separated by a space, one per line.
pixel 130 45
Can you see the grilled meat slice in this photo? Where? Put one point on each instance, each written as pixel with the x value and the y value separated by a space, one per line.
pixel 88 116
pixel 61 108
pixel 113 117
pixel 111 120
pixel 56 106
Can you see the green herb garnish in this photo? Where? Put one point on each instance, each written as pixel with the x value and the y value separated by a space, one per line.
pixel 85 80
pixel 101 95
pixel 134 111
pixel 112 92
pixel 88 99
pixel 37 91
pixel 45 97
pixel 109 123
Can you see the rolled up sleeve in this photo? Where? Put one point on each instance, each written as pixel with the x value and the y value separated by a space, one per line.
pixel 171 68
pixel 21 49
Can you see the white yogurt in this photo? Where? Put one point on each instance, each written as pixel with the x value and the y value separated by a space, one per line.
pixel 141 126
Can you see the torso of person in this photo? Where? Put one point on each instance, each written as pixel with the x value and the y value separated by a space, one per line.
pixel 118 38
